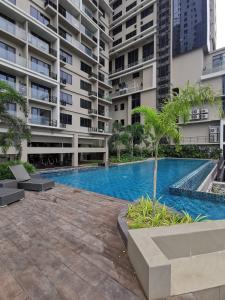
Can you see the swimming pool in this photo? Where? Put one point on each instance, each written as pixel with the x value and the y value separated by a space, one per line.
pixel 131 181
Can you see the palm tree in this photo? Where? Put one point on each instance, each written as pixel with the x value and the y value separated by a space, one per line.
pixel 118 138
pixel 163 124
pixel 17 130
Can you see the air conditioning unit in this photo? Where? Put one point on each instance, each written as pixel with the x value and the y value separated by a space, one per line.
pixel 195 111
pixel 214 129
pixel 204 116
pixel 195 117
pixel 204 111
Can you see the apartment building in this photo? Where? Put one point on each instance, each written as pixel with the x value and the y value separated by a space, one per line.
pixel 56 54
pixel 159 46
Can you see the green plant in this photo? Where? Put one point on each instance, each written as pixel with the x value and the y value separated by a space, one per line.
pixel 5 172
pixel 118 139
pixel 161 125
pixel 147 213
pixel 124 158
pixel 17 128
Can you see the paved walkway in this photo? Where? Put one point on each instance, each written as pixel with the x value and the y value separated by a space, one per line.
pixel 64 244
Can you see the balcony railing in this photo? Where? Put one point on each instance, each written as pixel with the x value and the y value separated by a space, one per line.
pixel 127 90
pixel 43 96
pixel 92 111
pixel 75 2
pixel 13 58
pixel 12 28
pixel 70 18
pixel 104 79
pixel 211 139
pixel 51 3
pixel 213 69
pixel 98 130
pixel 135 63
pixel 39 120
pixel 33 40
pixel 93 75
pixel 93 94
pixel 88 33
pixel 42 70
pixel 105 97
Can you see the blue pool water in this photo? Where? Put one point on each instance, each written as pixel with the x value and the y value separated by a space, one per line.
pixel 131 181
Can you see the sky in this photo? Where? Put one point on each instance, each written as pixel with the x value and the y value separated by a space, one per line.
pixel 220 11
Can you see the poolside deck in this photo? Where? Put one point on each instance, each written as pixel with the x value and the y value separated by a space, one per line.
pixel 64 244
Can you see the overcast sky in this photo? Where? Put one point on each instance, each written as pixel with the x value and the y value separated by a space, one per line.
pixel 220 23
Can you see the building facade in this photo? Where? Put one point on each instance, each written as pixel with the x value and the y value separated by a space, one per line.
pixel 82 65
pixel 56 54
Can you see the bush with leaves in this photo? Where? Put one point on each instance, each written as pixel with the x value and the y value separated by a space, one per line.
pixel 147 213
pixel 5 172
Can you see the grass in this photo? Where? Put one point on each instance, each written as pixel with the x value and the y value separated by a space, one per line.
pixel 147 213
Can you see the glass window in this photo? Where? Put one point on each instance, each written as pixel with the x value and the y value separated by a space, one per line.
pixel 40 92
pixel 7 52
pixel 65 119
pixel 147 11
pixel 146 26
pixel 131 21
pixel 117 30
pixel 119 63
pixel 39 66
pixel 39 16
pixel 85 122
pixel 130 35
pixel 66 98
pixel 85 104
pixel 65 56
pixel 9 79
pixel 85 68
pixel 132 5
pixel 85 86
pixel 148 51
pixel 133 57
pixel 65 77
pixel 122 106
pixel 117 4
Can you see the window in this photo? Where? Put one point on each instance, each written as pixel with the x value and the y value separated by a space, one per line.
pixel 131 21
pixel 130 35
pixel 66 57
pixel 40 92
pixel 117 30
pixel 223 85
pixel 9 79
pixel 7 52
pixel 85 122
pixel 122 122
pixel 136 100
pixel 132 5
pixel 218 60
pixel 39 42
pixel 102 61
pixel 117 4
pixel 147 25
pixel 65 78
pixel 85 86
pixel 147 11
pixel 122 106
pixel 136 118
pixel 117 42
pixel 102 44
pixel 102 11
pixel 66 119
pixel 39 16
pixel 119 63
pixel 133 58
pixel 66 98
pixel 148 51
pixel 63 33
pixel 116 107
pixel 85 68
pixel 39 66
pixel 85 104
pixel 8 23
pixel 136 75
pixel 117 16
pixel 11 108
pixel 101 125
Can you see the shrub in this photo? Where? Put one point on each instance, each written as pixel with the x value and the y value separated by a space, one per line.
pixel 125 158
pixel 5 172
pixel 147 213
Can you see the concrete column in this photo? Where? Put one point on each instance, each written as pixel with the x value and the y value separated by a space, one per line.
pixel 106 154
pixel 75 153
pixel 129 110
pixel 24 156
pixel 221 135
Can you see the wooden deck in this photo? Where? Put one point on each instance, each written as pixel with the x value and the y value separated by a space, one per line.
pixel 64 244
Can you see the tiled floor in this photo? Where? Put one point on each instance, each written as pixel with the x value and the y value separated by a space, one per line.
pixel 64 244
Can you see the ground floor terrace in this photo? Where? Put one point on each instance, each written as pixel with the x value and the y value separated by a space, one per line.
pixel 64 244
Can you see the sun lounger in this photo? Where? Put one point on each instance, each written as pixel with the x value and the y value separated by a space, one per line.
pixel 30 184
pixel 9 195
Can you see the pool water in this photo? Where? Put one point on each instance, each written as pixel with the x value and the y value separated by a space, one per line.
pixel 131 181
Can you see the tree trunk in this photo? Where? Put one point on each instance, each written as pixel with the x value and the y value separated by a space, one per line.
pixel 155 170
pixel 118 153
pixel 132 148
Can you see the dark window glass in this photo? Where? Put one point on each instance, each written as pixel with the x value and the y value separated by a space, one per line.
pixel 66 57
pixel 65 77
pixel 85 86
pixel 148 51
pixel 136 75
pixel 66 119
pixel 131 21
pixel 85 122
pixel 122 122
pixel 117 42
pixel 39 66
pixel 39 16
pixel 136 118
pixel 147 25
pixel 102 44
pixel 117 4
pixel 122 106
pixel 132 58
pixel 85 68
pixel 116 107
pixel 102 61
pixel 117 16
pixel 102 11
pixel 85 104
pixel 101 125
pixel 66 98
pixel 147 11
pixel 132 5
pixel 119 63
pixel 136 100
pixel 117 30
pixel 130 35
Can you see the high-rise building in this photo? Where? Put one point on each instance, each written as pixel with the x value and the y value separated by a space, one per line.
pixel 56 53
pixel 83 64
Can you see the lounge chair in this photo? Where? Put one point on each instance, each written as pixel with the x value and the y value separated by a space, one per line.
pixel 9 195
pixel 30 183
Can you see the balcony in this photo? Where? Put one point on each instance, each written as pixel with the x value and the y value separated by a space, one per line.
pixel 209 69
pixel 13 58
pixel 104 114
pixel 42 70
pixel 70 18
pixel 93 112
pixel 89 34
pixel 96 130
pixel 93 95
pixel 93 77
pixel 51 7
pixel 12 29
pixel 43 121
pixel 128 88
pixel 36 42
pixel 105 98
pixel 75 2
pixel 104 81
pixel 135 63
pixel 35 95
pixel 196 140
